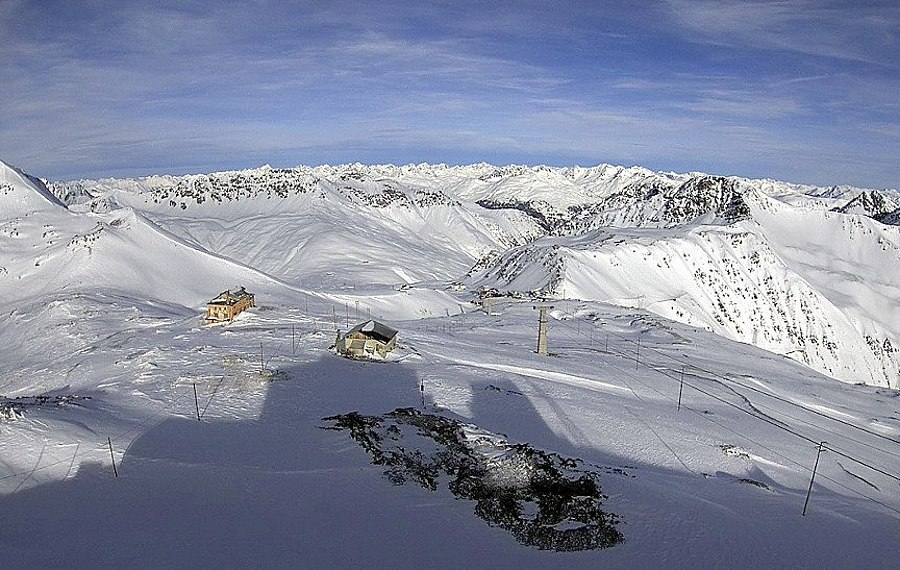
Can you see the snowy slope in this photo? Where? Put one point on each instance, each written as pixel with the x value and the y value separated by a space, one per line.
pixel 316 225
pixel 21 194
pixel 736 282
pixel 703 448
pixel 760 261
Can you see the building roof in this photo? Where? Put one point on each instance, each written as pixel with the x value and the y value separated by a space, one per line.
pixel 374 330
pixel 228 298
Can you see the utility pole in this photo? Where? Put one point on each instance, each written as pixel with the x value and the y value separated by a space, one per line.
pixel 542 328
pixel 812 479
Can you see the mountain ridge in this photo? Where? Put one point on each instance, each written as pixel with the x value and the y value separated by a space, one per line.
pixel 605 233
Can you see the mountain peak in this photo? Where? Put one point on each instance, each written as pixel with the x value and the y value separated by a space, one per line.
pixel 22 194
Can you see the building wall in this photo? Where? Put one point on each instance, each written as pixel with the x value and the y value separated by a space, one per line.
pixel 355 346
pixel 228 312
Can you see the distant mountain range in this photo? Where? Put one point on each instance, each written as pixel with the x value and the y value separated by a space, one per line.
pixel 807 272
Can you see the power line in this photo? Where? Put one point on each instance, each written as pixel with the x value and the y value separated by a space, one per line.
pixel 754 389
pixel 764 446
pixel 763 418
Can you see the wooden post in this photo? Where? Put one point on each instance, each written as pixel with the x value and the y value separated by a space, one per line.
pixel 74 456
pixel 680 389
pixel 196 400
pixel 637 354
pixel 113 457
pixel 812 479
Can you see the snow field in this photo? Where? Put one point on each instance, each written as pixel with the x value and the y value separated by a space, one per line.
pixel 688 477
pixel 111 315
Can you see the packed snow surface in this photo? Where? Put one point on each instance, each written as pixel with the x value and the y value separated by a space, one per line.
pixel 707 335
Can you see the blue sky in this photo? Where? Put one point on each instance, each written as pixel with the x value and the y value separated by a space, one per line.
pixel 805 91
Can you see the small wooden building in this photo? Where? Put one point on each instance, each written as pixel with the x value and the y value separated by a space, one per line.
pixel 227 305
pixel 366 340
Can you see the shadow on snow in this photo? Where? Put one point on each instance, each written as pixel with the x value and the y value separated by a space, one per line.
pixel 279 491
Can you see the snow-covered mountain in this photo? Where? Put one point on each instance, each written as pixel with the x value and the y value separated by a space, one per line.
pixel 802 271
pixel 23 194
pixel 661 431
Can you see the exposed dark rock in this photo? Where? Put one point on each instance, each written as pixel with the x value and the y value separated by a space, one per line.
pixel 543 499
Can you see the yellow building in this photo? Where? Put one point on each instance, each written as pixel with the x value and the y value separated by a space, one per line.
pixel 227 305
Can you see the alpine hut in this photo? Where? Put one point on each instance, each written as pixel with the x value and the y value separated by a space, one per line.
pixel 366 340
pixel 227 305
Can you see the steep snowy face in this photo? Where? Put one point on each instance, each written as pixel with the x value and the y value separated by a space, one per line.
pixel 792 274
pixel 21 194
pixel 810 273
pixel 728 279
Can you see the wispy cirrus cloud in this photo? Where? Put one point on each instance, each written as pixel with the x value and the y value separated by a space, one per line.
pixel 856 31
pixel 724 87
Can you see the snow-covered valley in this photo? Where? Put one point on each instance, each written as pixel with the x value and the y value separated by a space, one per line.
pixel 707 333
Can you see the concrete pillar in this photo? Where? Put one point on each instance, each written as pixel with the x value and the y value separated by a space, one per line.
pixel 542 329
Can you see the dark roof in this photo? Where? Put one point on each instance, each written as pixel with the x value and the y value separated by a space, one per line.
pixel 228 298
pixel 374 330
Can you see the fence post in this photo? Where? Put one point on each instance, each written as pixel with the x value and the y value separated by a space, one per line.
pixel 113 457
pixel 74 456
pixel 196 400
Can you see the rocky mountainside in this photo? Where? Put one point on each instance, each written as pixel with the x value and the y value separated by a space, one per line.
pixel 877 205
pixel 809 273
